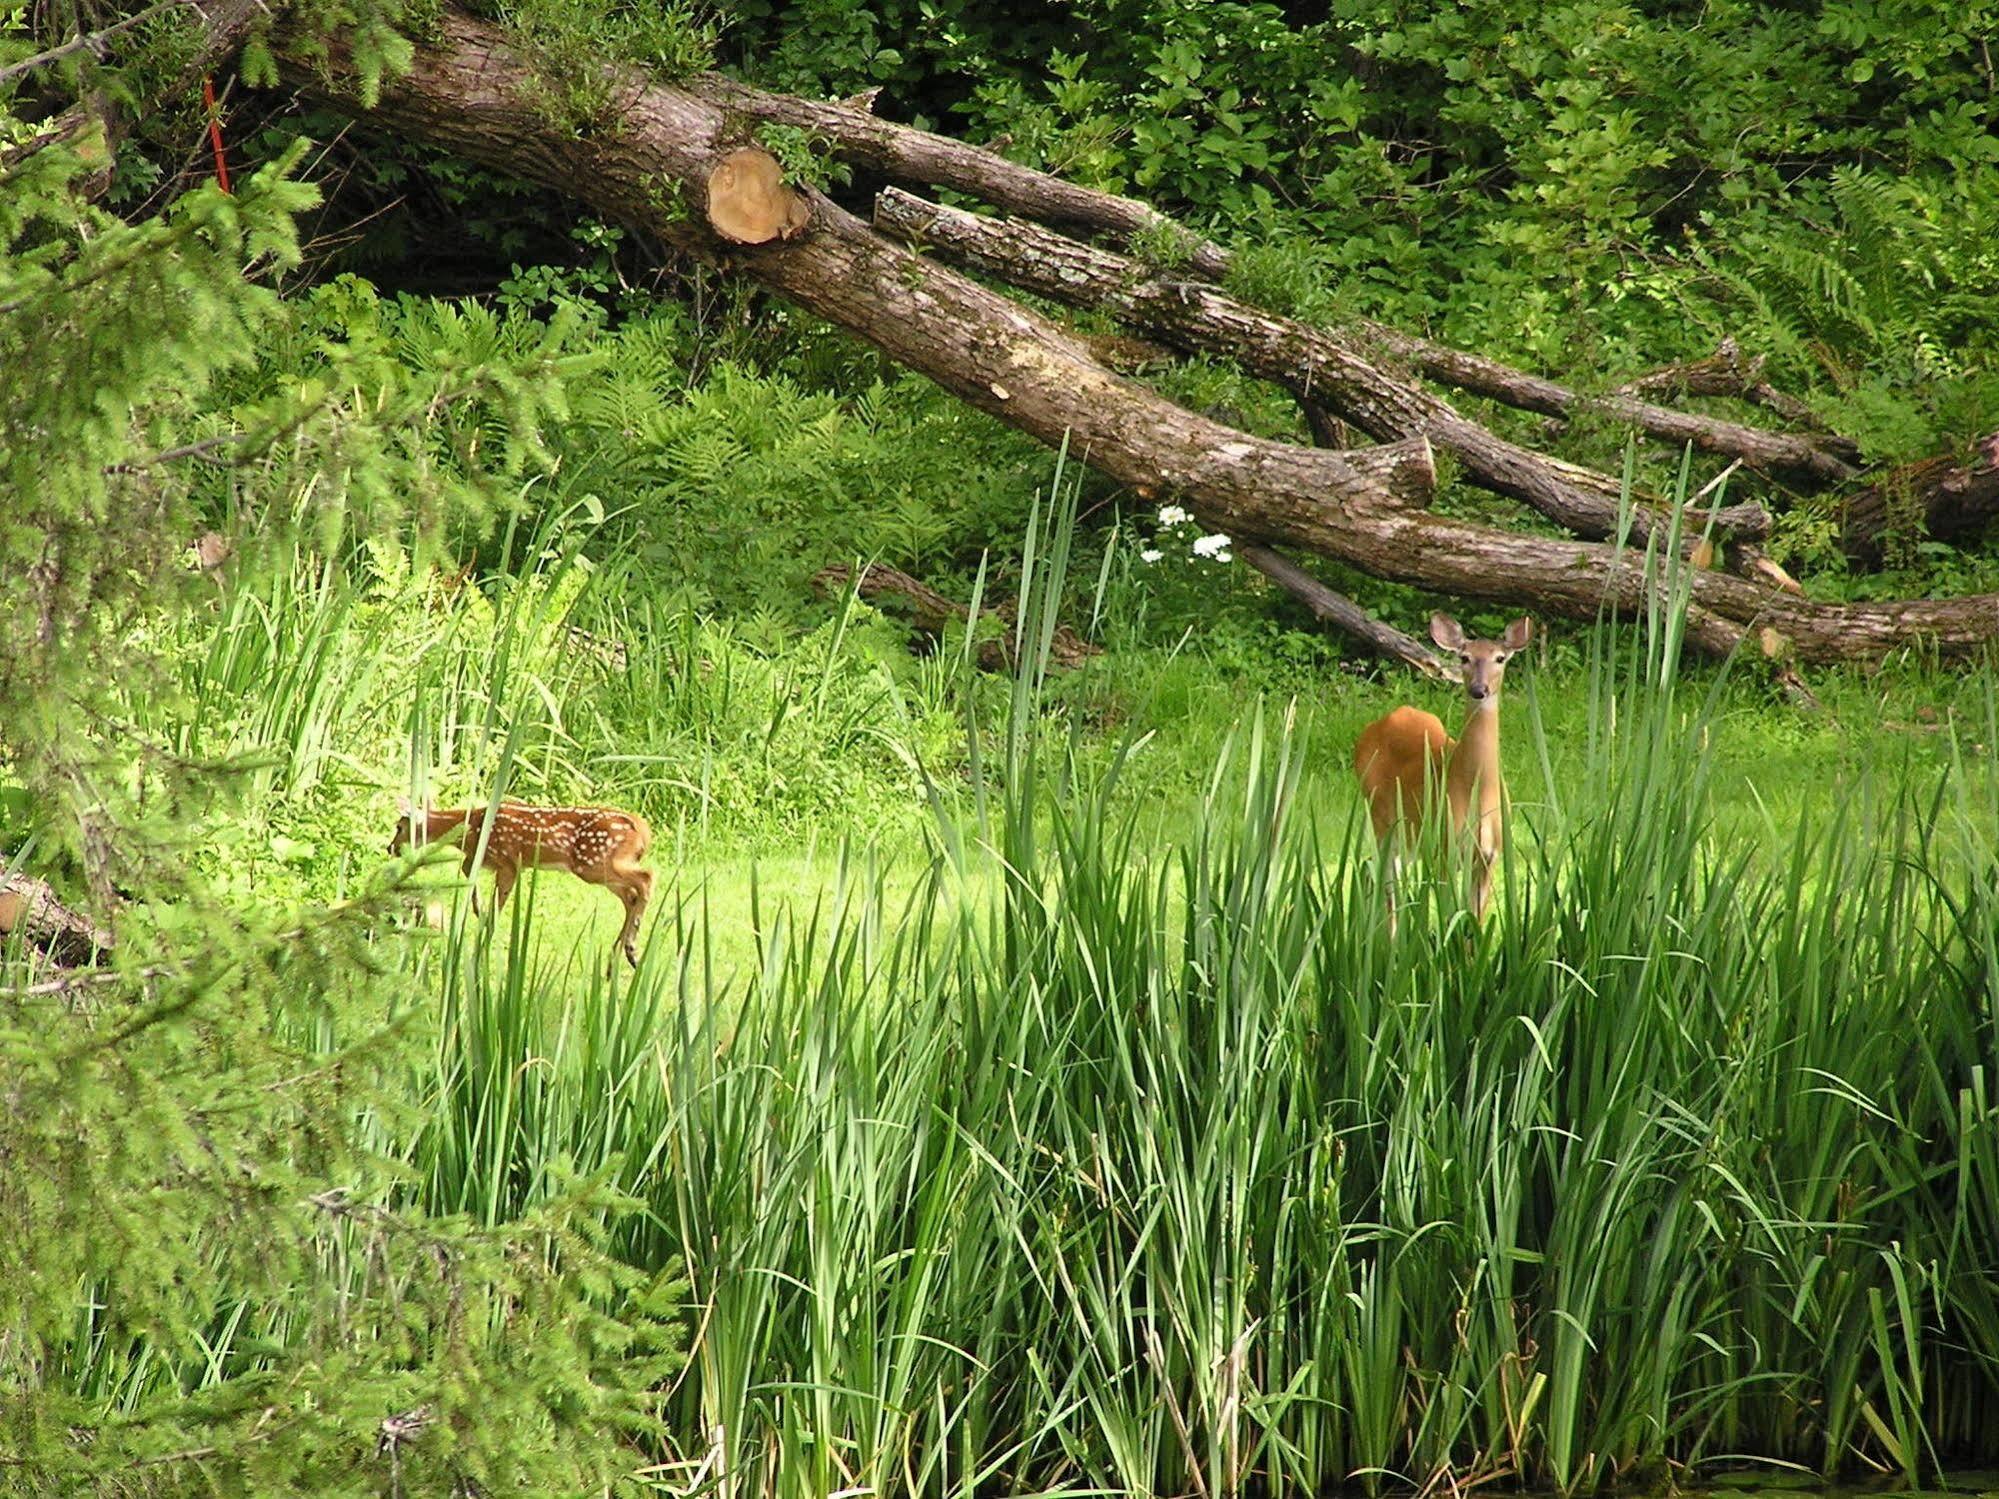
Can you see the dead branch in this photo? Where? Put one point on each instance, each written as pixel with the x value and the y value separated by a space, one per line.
pixel 933 613
pixel 1341 612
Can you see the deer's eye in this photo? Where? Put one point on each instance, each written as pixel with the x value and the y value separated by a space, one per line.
pixel 1464 658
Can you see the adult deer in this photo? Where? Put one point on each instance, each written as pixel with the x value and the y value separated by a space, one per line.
pixel 599 845
pixel 1403 757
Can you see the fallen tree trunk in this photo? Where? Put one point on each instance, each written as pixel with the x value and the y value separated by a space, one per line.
pixel 903 154
pixel 1941 499
pixel 1315 365
pixel 469 89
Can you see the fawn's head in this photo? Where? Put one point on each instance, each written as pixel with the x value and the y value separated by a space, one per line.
pixel 1481 663
pixel 406 824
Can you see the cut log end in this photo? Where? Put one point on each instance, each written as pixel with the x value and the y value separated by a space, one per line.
pixel 749 202
pixel 29 906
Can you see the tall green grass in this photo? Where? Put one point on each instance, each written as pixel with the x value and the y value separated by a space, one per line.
pixel 1058 1156
pixel 1088 1164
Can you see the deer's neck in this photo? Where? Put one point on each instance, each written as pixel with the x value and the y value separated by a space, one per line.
pixel 1473 778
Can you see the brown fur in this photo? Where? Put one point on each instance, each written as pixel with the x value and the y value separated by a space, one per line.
pixel 1404 756
pixel 599 845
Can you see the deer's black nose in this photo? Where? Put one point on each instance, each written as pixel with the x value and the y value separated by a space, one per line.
pixel 1477 692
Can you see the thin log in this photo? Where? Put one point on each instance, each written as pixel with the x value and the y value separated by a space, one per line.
pixel 466 92
pixel 1316 365
pixel 1726 372
pixel 1342 613
pixel 1813 459
pixel 934 612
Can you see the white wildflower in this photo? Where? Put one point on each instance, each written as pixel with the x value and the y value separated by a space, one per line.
pixel 1150 554
pixel 1173 515
pixel 1215 546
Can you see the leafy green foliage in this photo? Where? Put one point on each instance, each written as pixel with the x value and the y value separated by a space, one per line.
pixel 570 42
pixel 1891 300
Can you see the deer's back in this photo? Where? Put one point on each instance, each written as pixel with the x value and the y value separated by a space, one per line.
pixel 1398 758
pixel 586 836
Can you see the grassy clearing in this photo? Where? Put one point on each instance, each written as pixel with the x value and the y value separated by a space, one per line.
pixel 1057 1116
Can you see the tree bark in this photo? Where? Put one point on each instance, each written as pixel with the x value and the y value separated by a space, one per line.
pixel 1942 499
pixel 1342 613
pixel 904 154
pixel 30 907
pixel 1316 365
pixel 467 91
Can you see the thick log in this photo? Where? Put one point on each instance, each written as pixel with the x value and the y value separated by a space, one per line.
pixel 902 153
pixel 1945 499
pixel 466 91
pixel 1317 365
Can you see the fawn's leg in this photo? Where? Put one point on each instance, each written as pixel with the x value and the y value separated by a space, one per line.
pixel 504 876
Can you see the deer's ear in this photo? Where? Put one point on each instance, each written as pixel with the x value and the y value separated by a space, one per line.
pixel 1446 631
pixel 1519 633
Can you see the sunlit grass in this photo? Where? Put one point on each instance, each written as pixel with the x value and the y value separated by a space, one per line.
pixel 1085 1131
